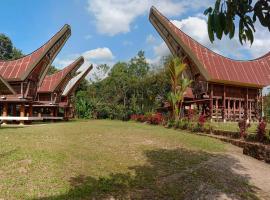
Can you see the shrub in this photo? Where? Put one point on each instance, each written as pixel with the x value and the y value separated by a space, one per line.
pixel 156 119
pixel 251 137
pixel 208 128
pixel 261 130
pixel 171 123
pixel 182 124
pixel 202 120
pixel 243 126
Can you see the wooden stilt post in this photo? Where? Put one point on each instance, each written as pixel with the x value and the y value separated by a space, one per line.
pixel 216 109
pixel 30 112
pixel 22 113
pixel 39 112
pixel 5 112
pixel 14 110
pixel 246 107
pixel 234 118
pixel 224 104
pixel 229 109
pixel 211 102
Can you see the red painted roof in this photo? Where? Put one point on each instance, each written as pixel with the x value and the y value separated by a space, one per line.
pixel 51 82
pixel 16 70
pixel 214 67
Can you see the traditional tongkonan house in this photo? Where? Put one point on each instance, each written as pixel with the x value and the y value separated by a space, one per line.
pixel 49 93
pixel 68 94
pixel 21 78
pixel 227 89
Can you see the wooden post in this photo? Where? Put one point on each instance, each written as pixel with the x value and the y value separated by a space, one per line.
pixel 30 112
pixel 52 112
pixel 39 112
pixel 229 109
pixel 211 102
pixel 14 110
pixel 5 112
pixel 216 109
pixel 234 110
pixel 240 109
pixel 246 107
pixel 261 108
pixel 224 104
pixel 22 113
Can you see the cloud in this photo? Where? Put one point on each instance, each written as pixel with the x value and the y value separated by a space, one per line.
pixel 95 57
pixel 150 39
pixel 116 16
pixel 88 37
pixel 99 54
pixel 160 51
pixel 196 27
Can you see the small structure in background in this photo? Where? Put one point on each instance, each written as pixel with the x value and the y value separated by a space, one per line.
pixel 21 78
pixel 69 93
pixel 226 89
pixel 51 89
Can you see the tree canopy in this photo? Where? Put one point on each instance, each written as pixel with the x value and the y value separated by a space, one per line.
pixel 7 50
pixel 128 87
pixel 225 14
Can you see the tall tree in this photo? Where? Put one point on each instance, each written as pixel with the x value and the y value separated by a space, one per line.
pixel 224 16
pixel 6 47
pixel 7 50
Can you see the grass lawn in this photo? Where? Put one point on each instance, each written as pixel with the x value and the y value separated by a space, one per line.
pixel 233 126
pixel 105 159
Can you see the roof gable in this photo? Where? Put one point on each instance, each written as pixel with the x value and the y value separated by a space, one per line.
pixel 20 69
pixel 52 82
pixel 212 66
pixel 74 82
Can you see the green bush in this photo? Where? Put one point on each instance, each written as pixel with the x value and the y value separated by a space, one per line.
pixel 170 123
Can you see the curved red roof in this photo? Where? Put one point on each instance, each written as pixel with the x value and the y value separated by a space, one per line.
pixel 18 70
pixel 214 67
pixel 52 82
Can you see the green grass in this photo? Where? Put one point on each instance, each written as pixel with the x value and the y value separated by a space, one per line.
pixel 124 160
pixel 233 126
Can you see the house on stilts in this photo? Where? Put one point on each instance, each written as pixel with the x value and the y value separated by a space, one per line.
pixel 226 89
pixel 50 92
pixel 21 78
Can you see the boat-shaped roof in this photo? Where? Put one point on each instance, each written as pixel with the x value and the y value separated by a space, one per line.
pixel 75 81
pixel 212 66
pixel 52 82
pixel 20 69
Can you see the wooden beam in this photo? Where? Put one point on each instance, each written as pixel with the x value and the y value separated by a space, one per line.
pixel 22 112
pixel 211 101
pixel 224 103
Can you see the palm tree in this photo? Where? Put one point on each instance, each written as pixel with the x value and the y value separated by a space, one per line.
pixel 179 85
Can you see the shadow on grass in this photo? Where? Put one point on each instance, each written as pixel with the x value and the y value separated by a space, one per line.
pixel 169 174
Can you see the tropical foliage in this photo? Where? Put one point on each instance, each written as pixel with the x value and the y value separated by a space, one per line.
pixel 222 18
pixel 133 87
pixel 179 85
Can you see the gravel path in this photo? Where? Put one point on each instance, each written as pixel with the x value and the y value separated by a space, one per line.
pixel 257 171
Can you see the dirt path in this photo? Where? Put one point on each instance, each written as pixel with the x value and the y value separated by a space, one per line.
pixel 257 171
